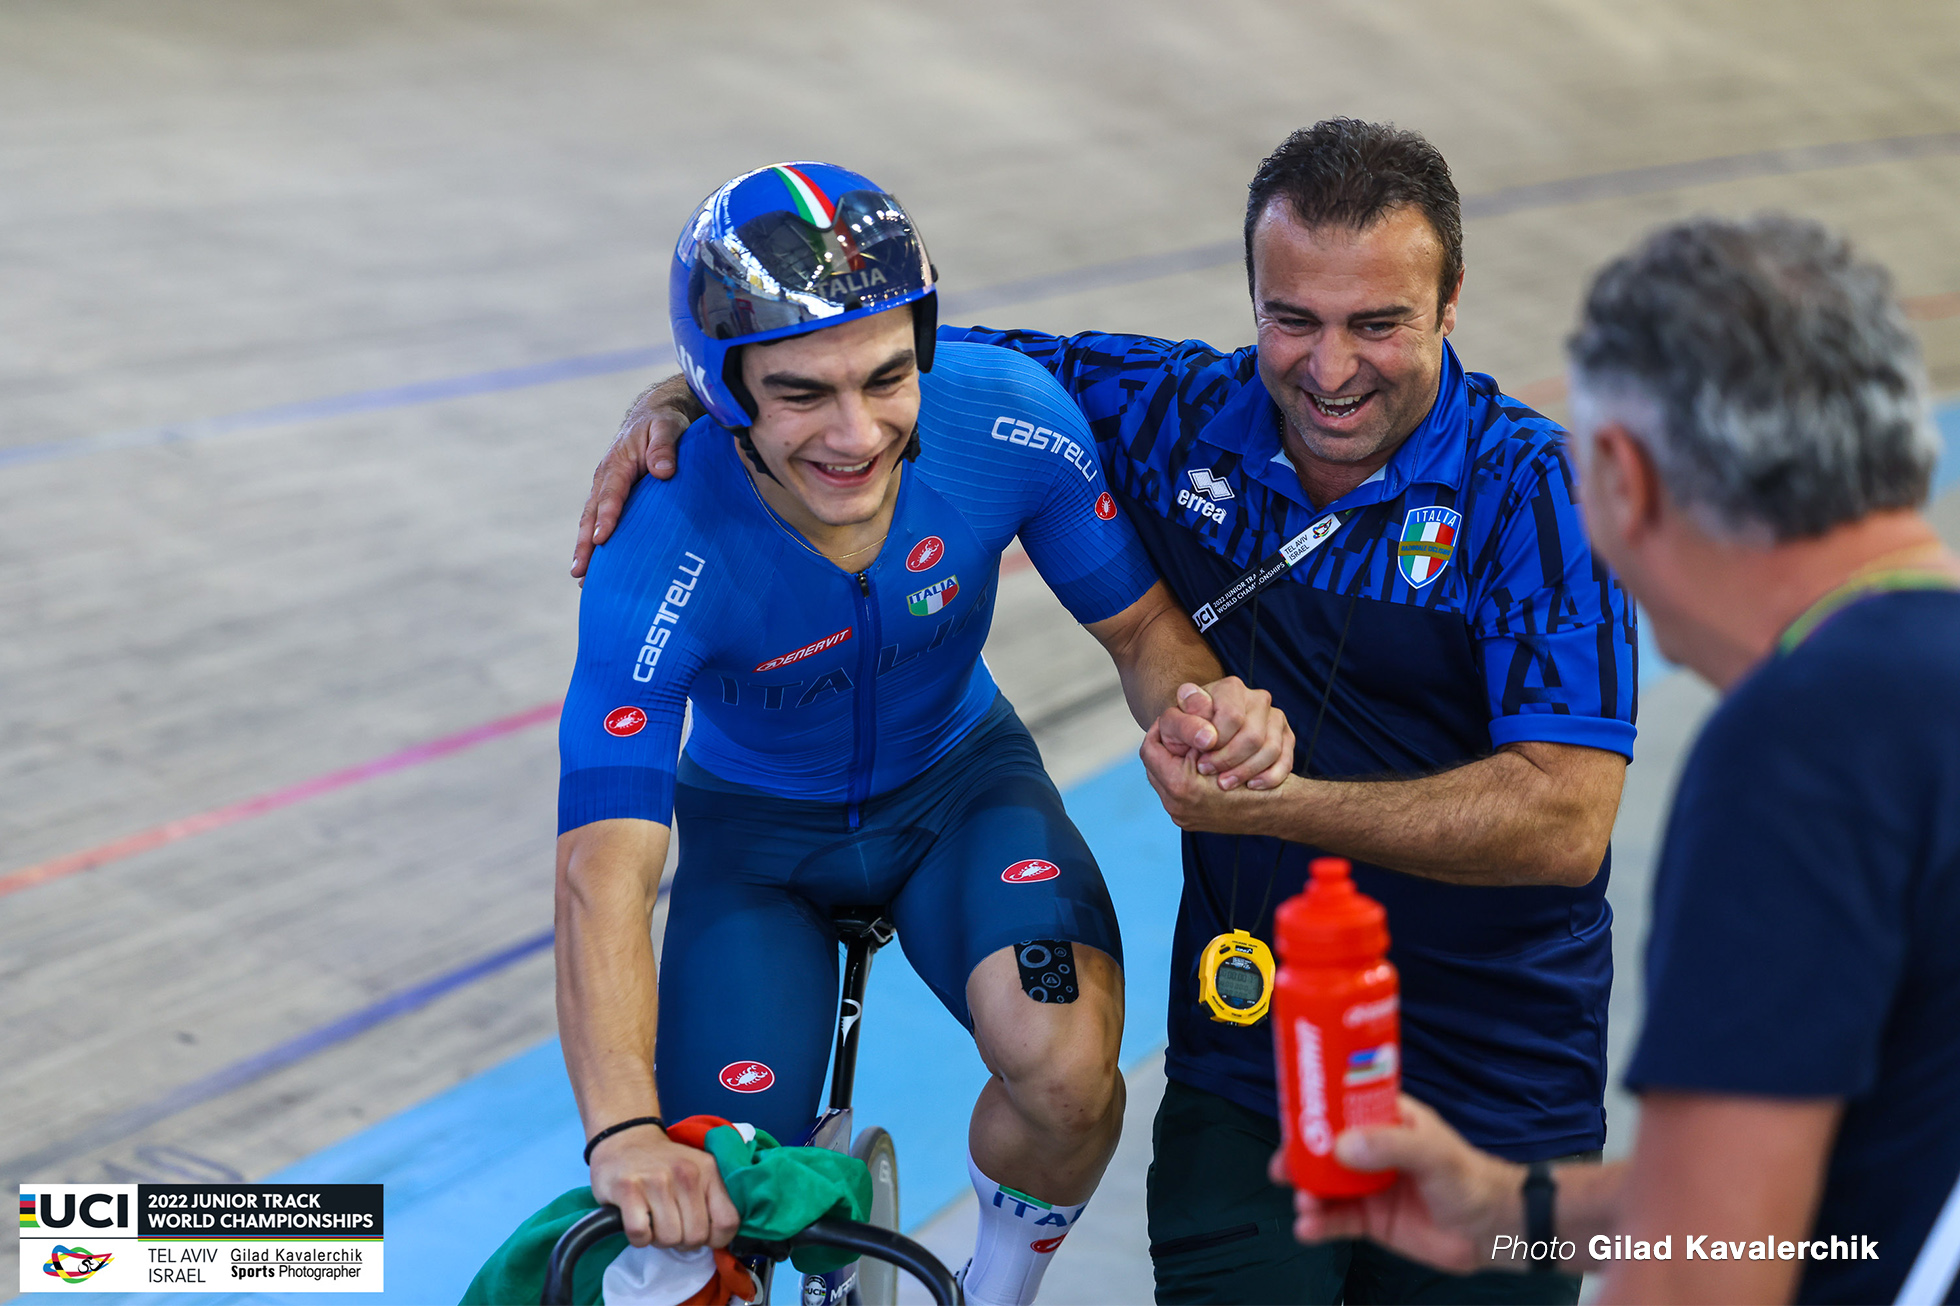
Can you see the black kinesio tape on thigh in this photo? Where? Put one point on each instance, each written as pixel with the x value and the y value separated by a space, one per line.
pixel 1047 970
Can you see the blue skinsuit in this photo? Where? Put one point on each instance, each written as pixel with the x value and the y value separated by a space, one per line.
pixel 849 746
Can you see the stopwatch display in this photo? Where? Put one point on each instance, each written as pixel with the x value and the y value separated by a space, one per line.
pixel 1235 978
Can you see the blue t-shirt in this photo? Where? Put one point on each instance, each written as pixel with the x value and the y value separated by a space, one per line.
pixel 1474 614
pixel 1806 938
pixel 809 681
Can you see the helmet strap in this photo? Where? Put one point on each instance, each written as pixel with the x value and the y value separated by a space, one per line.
pixel 731 377
pixel 925 328
pixel 755 456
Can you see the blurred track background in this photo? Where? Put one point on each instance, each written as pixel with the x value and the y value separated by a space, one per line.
pixel 314 318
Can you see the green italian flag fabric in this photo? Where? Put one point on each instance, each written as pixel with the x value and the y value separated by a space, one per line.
pixel 777 1190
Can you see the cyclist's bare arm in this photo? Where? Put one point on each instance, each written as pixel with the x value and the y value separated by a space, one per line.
pixel 608 881
pixel 1174 682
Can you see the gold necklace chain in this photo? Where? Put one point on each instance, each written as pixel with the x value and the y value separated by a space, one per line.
pixel 854 553
pixel 808 547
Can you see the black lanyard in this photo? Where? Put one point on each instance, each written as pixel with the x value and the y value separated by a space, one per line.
pixel 1259 576
pixel 1246 588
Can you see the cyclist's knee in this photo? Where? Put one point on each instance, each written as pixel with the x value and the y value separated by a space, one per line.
pixel 1057 1060
pixel 1069 1092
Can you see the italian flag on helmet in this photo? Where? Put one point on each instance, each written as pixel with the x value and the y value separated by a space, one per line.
pixel 812 205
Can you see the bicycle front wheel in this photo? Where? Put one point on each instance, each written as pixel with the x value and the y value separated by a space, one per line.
pixel 878 1280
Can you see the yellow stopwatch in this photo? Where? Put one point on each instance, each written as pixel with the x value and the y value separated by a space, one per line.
pixel 1235 978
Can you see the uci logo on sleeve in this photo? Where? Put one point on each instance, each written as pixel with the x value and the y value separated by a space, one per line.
pixel 1428 540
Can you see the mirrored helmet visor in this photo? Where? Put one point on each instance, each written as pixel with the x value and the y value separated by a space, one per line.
pixel 779 270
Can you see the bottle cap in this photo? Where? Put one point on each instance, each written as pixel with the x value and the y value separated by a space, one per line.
pixel 1332 921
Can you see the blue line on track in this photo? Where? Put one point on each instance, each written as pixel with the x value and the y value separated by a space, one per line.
pixel 1621 184
pixel 272 1060
pixel 361 401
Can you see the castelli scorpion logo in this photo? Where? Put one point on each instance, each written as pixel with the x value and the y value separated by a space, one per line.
pixel 746 1077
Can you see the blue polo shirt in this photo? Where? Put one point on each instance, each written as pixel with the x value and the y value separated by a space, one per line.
pixel 1474 615
pixel 1806 939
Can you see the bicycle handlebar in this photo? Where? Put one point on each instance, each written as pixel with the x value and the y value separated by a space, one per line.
pixel 845 1235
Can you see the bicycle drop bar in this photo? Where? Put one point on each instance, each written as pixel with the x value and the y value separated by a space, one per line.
pixel 845 1235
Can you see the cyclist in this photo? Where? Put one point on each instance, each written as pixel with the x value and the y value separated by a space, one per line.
pixel 819 585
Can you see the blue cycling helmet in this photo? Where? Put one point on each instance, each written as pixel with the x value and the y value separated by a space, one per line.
pixel 783 251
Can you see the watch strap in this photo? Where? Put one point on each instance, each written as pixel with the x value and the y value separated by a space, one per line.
pixel 1539 1225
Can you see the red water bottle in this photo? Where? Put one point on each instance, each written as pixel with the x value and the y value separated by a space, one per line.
pixel 1335 1029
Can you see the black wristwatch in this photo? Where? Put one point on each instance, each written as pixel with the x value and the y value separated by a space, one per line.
pixel 1539 1228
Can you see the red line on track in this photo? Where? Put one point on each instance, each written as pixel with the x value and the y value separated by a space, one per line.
pixel 185 827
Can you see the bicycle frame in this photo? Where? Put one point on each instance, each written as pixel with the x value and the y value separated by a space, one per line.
pixel 864 930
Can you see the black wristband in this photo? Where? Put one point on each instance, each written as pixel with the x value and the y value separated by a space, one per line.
pixel 623 1125
pixel 1539 1228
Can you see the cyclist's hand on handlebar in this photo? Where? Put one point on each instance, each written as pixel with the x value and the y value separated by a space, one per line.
pixel 1239 736
pixel 648 438
pixel 668 1195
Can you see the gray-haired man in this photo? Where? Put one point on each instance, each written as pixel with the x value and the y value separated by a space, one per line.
pixel 1753 448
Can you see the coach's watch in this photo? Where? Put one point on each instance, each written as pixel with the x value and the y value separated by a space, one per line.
pixel 1539 1194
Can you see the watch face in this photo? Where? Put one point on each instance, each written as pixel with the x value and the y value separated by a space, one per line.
pixel 1239 983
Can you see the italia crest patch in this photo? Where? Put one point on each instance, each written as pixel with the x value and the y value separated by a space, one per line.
pixel 1428 540
pixel 933 597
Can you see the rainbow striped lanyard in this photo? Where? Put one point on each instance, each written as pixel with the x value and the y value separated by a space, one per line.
pixel 1855 589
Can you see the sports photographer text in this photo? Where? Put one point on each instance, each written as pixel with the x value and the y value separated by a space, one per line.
pixel 1694 1247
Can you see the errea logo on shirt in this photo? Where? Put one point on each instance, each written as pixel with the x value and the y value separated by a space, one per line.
pixel 1206 493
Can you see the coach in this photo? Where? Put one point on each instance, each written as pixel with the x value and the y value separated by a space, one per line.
pixel 1459 669
pixel 1754 445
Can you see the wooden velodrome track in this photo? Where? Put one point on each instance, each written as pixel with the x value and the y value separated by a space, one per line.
pixel 255 531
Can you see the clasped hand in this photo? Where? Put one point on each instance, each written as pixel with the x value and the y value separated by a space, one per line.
pixel 1220 738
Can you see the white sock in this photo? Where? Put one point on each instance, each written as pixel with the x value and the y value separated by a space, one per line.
pixel 1018 1236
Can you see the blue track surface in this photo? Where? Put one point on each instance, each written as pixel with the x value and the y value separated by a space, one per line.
pixel 1949 469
